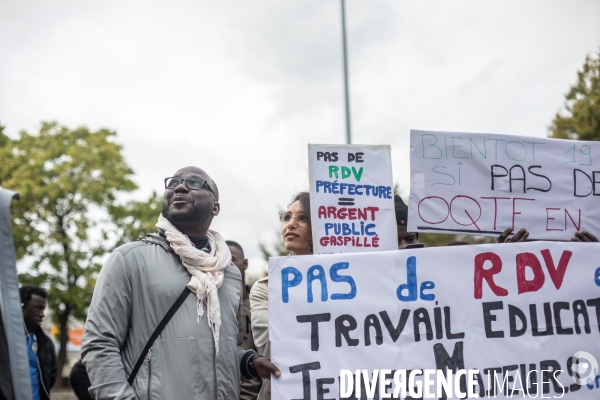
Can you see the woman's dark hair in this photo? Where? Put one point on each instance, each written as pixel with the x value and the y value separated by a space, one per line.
pixel 304 199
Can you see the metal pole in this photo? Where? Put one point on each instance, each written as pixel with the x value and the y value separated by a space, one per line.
pixel 346 90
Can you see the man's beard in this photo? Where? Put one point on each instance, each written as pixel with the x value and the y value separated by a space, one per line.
pixel 198 213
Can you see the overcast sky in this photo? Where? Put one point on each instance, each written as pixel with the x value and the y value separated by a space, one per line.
pixel 240 87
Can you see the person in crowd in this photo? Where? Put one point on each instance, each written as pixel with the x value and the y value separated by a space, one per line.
pixel 297 239
pixel 404 237
pixel 40 349
pixel 198 354
pixel 80 381
pixel 248 388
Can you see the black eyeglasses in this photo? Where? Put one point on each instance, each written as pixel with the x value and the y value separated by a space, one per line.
pixel 192 183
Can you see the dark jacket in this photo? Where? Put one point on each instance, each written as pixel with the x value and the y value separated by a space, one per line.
pixel 47 358
pixel 80 381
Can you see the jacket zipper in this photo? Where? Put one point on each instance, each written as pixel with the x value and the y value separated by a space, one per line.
pixel 149 359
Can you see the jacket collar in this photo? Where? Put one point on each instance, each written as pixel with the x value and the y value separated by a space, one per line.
pixel 40 336
pixel 157 239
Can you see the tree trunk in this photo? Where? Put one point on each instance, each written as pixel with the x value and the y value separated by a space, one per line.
pixel 64 338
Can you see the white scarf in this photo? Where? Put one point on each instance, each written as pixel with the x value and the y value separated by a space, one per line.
pixel 206 270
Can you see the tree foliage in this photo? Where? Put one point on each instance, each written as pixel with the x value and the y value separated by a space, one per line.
pixel 69 215
pixel 136 218
pixel 582 103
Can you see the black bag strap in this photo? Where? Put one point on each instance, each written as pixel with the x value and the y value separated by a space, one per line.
pixel 157 332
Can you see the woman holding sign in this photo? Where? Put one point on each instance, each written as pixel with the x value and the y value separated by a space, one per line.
pixel 297 238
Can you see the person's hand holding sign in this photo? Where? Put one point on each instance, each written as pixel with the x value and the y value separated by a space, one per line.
pixel 520 236
pixel 583 236
pixel 265 368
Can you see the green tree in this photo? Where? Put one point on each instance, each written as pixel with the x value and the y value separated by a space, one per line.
pixel 69 217
pixel 582 103
pixel 136 218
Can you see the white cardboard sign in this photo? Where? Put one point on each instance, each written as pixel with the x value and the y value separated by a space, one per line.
pixel 351 198
pixel 513 309
pixel 481 184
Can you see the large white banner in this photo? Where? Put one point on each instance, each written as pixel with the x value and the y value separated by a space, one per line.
pixel 351 198
pixel 481 184
pixel 525 316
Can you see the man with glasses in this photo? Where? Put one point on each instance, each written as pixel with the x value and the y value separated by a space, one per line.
pixel 197 354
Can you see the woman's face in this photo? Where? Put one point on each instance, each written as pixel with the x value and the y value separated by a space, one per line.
pixel 295 230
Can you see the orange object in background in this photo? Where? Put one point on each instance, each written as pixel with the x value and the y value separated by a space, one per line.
pixel 75 335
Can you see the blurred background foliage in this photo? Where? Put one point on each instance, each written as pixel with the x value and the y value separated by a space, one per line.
pixel 582 105
pixel 71 212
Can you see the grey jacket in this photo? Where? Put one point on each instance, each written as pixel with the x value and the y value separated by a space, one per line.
pixel 259 306
pixel 136 287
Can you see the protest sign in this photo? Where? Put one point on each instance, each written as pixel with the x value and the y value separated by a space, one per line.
pixel 481 184
pixel 351 198
pixel 525 316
